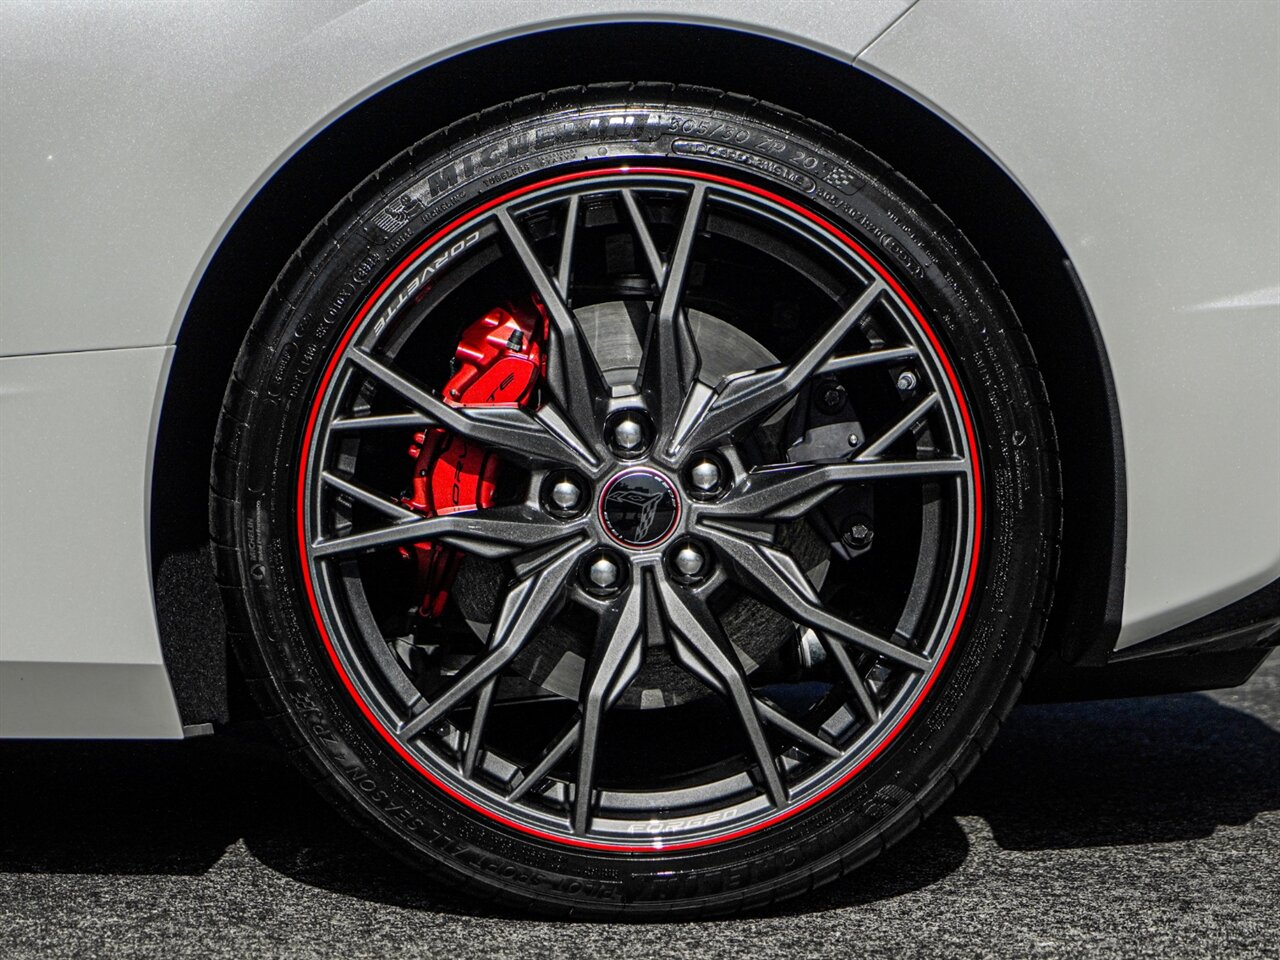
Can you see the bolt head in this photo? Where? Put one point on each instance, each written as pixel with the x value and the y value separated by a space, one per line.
pixel 906 381
pixel 705 475
pixel 603 573
pixel 859 536
pixel 854 440
pixel 565 494
pixel 689 560
pixel 628 434
pixel 831 398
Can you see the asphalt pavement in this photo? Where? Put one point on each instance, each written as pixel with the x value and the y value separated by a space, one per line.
pixel 1139 828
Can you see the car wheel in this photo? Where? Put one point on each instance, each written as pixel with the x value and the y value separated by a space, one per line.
pixel 636 500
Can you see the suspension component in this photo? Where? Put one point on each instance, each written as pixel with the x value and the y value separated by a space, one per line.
pixel 497 363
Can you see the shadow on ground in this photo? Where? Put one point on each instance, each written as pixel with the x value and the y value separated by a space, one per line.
pixel 1059 777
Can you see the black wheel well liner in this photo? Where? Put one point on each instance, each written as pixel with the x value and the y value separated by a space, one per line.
pixel 987 205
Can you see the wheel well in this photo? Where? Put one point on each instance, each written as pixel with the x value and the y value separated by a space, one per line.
pixel 975 192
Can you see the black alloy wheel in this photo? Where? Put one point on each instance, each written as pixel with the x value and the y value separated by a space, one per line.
pixel 760 558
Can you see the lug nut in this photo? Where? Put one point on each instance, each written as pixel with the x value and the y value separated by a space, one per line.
pixel 705 475
pixel 689 560
pixel 906 381
pixel 604 573
pixel 565 494
pixel 628 434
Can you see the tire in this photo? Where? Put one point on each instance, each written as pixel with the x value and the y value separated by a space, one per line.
pixel 815 204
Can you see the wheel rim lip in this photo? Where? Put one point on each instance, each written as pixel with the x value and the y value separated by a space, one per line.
pixel 844 239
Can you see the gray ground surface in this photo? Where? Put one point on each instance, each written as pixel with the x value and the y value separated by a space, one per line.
pixel 1123 828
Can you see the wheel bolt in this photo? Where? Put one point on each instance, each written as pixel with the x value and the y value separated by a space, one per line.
pixel 565 494
pixel 906 381
pixel 604 573
pixel 705 475
pixel 628 434
pixel 689 560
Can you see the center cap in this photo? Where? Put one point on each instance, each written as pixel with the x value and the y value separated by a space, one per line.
pixel 639 508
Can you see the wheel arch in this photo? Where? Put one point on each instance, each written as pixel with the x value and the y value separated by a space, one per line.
pixel 977 194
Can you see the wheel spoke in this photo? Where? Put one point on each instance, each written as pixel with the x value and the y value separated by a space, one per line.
pixel 650 250
pixel 573 376
pixel 564 273
pixel 669 364
pixel 361 494
pixel 493 533
pixel 520 435
pixel 853 680
pixel 557 752
pixel 852 361
pixel 775 578
pixel 882 442
pixel 739 400
pixel 617 659
pixel 789 491
pixel 475 733
pixel 383 421
pixel 699 645
pixel 775 717
pixel 529 603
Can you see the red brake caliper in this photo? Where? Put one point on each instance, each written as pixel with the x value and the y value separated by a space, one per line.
pixel 497 364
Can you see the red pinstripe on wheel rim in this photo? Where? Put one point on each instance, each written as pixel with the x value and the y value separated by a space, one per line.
pixel 307 573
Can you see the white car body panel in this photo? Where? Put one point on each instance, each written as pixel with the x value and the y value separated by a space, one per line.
pixel 81 658
pixel 132 143
pixel 147 128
